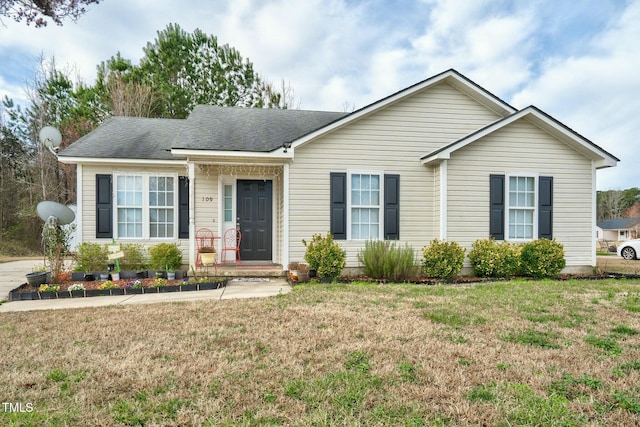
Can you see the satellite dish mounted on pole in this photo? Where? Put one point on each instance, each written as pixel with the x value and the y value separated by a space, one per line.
pixel 51 138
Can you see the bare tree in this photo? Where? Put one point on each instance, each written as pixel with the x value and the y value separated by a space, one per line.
pixel 610 204
pixel 38 11
pixel 131 98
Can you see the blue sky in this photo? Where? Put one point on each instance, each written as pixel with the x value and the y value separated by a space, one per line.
pixel 577 60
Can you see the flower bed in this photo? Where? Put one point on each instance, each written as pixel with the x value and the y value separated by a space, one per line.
pixel 82 289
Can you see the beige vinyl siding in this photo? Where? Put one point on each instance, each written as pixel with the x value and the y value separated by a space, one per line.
pixel 391 140
pixel 522 148
pixel 207 199
pixel 88 201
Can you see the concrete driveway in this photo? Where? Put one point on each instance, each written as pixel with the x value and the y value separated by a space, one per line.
pixel 12 275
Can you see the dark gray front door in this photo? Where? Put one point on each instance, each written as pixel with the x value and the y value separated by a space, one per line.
pixel 255 219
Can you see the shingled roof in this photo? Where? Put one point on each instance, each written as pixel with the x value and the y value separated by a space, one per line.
pixel 128 138
pixel 208 127
pixel 248 129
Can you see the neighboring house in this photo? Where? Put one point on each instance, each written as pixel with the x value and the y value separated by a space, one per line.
pixel 443 158
pixel 618 229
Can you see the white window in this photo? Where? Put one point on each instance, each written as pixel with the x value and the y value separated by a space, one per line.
pixel 522 197
pixel 145 206
pixel 365 205
pixel 228 203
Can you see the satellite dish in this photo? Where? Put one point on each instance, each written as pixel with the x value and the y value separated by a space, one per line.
pixel 60 212
pixel 51 138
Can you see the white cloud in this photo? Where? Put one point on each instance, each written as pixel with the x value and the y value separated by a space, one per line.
pixel 337 52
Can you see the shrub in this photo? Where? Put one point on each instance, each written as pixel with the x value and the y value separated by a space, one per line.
pixel 325 256
pixel 134 257
pixel 384 260
pixel 542 258
pixel 165 256
pixel 91 257
pixel 442 260
pixel 490 258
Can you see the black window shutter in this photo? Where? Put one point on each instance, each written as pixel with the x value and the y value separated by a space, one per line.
pixel 104 206
pixel 338 184
pixel 392 207
pixel 183 207
pixel 545 207
pixel 496 206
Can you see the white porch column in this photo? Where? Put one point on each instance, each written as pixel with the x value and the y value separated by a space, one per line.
pixel 79 202
pixel 192 214
pixel 443 200
pixel 285 216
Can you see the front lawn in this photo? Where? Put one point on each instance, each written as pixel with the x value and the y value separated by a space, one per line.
pixel 504 353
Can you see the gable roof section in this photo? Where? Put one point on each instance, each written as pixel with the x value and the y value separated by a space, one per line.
pixel 451 76
pixel 216 128
pixel 540 119
pixel 126 138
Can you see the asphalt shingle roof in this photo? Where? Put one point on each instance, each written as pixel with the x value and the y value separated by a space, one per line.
pixel 208 127
pixel 248 129
pixel 618 223
pixel 128 138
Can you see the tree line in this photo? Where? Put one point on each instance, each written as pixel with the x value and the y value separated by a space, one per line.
pixel 177 71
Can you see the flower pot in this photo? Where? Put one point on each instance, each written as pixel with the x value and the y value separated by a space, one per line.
pixel 293 275
pixel 77 294
pixel 303 277
pixel 313 273
pixel 189 287
pixel 48 295
pixel 134 291
pixel 115 276
pixel 208 258
pixel 142 274
pixel 89 277
pixel 207 286
pixel 171 275
pixel 164 289
pixel 117 291
pixel 64 294
pixel 38 278
pixel 159 274
pixel 104 276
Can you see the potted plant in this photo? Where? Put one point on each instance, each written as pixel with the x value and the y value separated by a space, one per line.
pixel 76 290
pixel 165 256
pixel 47 291
pixel 207 255
pixel 38 276
pixel 303 272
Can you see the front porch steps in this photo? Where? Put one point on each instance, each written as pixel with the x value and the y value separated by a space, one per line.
pixel 245 269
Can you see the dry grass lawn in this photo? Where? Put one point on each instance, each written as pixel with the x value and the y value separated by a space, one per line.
pixel 504 353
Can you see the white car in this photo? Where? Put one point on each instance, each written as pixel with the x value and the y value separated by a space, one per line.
pixel 629 249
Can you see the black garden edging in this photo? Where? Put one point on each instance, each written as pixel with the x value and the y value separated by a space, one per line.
pixel 18 294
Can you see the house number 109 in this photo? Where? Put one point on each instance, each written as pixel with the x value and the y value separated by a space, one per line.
pixel 207 199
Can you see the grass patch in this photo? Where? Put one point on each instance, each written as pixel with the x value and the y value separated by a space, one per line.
pixel 607 344
pixel 503 353
pixel 533 337
pixel 453 318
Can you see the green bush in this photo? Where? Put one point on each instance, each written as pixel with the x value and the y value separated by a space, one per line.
pixel 91 257
pixel 542 258
pixel 490 258
pixel 442 260
pixel 325 256
pixel 165 256
pixel 385 261
pixel 135 256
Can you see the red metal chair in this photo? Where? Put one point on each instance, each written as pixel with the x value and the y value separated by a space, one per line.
pixel 204 238
pixel 231 243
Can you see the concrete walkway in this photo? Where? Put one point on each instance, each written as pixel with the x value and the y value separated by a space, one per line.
pixel 12 275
